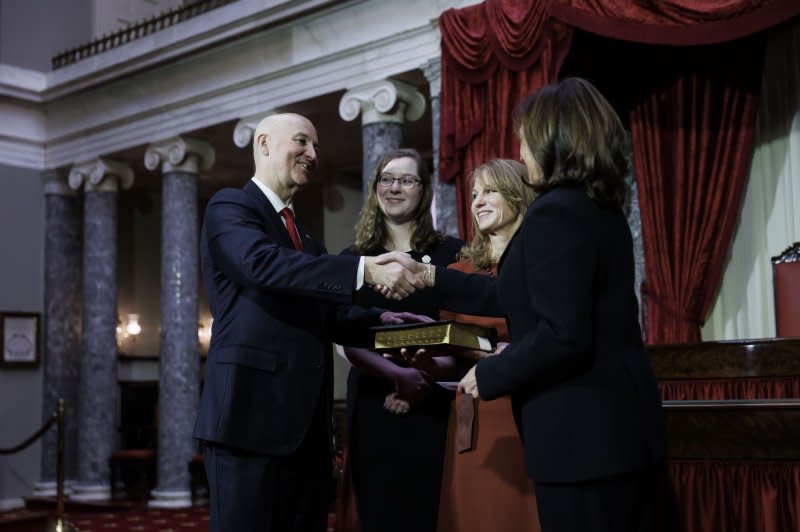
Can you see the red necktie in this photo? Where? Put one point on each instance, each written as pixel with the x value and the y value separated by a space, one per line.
pixel 288 215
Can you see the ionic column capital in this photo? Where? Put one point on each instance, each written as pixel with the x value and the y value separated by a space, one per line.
pixel 56 183
pixel 246 127
pixel 382 101
pixel 433 73
pixel 101 174
pixel 179 154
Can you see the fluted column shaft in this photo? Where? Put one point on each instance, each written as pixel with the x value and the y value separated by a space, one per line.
pixel 384 106
pixel 97 402
pixel 377 139
pixel 179 358
pixel 445 211
pixel 635 223
pixel 62 325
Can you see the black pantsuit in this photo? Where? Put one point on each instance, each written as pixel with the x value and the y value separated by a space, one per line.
pixel 583 392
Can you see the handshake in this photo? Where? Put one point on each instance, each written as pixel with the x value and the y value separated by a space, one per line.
pixel 396 275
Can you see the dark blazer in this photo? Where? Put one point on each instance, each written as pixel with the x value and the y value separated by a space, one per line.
pixel 274 309
pixel 583 392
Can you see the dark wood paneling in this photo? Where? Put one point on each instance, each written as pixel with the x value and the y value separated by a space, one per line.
pixel 778 357
pixel 732 430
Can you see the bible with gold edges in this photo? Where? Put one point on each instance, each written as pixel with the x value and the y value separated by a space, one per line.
pixel 442 335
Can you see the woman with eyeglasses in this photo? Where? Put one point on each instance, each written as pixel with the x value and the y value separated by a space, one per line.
pixel 398 416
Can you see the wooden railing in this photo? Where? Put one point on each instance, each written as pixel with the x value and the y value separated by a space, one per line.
pixel 136 31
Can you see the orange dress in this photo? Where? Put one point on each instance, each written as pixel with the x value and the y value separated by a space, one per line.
pixel 486 488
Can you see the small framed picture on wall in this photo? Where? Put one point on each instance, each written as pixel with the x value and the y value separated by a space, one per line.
pixel 19 338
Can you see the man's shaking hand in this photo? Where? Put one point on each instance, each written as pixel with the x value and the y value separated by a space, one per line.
pixel 396 275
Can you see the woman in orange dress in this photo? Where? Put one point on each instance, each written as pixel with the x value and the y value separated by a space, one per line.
pixel 484 485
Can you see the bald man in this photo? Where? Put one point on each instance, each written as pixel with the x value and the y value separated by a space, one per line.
pixel 278 300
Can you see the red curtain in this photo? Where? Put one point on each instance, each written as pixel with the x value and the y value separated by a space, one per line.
pixel 692 129
pixel 692 135
pixel 674 22
pixel 734 496
pixel 493 54
pixel 692 125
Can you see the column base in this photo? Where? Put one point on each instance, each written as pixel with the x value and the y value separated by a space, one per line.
pixel 170 499
pixel 90 492
pixel 7 505
pixel 47 488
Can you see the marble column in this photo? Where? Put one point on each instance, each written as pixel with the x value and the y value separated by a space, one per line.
pixel 100 180
pixel 445 206
pixel 179 159
pixel 62 326
pixel 384 106
pixel 635 223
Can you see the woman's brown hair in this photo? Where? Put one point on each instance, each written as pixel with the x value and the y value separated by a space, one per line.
pixel 371 231
pixel 577 139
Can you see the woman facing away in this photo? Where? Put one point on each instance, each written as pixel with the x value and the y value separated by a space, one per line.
pixel 484 486
pixel 396 460
pixel 582 390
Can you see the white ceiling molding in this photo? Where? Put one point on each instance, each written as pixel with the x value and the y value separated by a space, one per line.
pixel 22 154
pixel 210 29
pixel 22 83
pixel 348 44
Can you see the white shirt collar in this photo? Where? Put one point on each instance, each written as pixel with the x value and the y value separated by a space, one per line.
pixel 277 203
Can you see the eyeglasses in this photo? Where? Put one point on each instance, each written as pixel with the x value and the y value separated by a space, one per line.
pixel 406 181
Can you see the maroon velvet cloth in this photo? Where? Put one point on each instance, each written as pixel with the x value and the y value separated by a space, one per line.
pixel 692 130
pixel 674 22
pixel 493 54
pixel 692 126
pixel 734 496
pixel 786 284
pixel 730 495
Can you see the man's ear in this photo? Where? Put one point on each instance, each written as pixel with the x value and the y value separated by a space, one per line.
pixel 261 140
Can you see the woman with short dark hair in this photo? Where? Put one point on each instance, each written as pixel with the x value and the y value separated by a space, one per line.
pixel 582 389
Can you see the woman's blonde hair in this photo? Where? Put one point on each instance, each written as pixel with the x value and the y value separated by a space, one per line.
pixel 510 179
pixel 371 231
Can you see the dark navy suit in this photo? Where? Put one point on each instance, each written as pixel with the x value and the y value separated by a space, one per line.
pixel 265 408
pixel 583 392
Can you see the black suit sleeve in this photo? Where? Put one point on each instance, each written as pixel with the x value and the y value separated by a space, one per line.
pixel 245 252
pixel 467 293
pixel 559 265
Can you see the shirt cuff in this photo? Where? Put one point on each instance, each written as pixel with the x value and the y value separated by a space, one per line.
pixel 360 274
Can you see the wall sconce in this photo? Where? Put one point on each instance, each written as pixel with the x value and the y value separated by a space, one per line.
pixel 132 327
pixel 128 331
